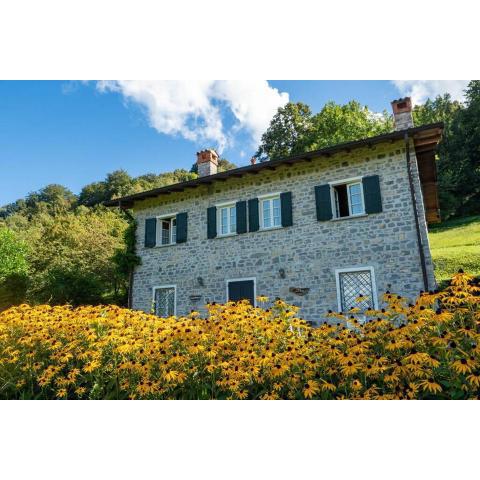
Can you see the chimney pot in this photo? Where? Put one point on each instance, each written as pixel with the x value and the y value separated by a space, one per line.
pixel 253 160
pixel 207 162
pixel 402 113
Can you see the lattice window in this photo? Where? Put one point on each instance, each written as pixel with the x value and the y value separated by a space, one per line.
pixel 165 301
pixel 354 285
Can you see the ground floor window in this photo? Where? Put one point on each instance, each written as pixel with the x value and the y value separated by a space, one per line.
pixel 164 299
pixel 353 283
pixel 241 289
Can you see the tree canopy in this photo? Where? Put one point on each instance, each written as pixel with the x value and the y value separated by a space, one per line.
pixel 295 130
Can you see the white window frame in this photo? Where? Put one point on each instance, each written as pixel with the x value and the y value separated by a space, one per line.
pixel 219 207
pixel 230 280
pixel 347 182
pixel 158 237
pixel 261 199
pixel 158 287
pixel 368 268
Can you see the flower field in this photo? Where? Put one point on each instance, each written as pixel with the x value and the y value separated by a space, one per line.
pixel 427 350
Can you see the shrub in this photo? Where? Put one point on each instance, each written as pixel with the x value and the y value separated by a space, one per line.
pixel 427 350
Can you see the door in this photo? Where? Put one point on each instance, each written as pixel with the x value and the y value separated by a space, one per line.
pixel 240 290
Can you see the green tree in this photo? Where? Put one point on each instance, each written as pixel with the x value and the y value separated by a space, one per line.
pixel 294 130
pixel 13 268
pixel 13 254
pixel 460 169
pixel 288 133
pixel 71 255
pixel 344 123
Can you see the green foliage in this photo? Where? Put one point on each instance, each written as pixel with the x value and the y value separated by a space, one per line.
pixel 70 255
pixel 13 269
pixel 294 130
pixel 12 254
pixel 289 132
pixel 455 244
pixel 120 183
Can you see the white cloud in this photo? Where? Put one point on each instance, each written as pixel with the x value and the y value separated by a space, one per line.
pixel 193 109
pixel 420 90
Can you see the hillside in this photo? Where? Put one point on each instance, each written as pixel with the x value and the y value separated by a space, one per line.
pixel 456 244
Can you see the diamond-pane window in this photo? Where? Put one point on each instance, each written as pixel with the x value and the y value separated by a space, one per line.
pixel 354 285
pixel 165 301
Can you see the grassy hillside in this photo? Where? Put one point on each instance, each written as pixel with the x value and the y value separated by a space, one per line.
pixel 456 244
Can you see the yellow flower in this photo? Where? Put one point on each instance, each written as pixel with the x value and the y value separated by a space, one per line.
pixel 61 393
pixel 171 375
pixel 430 385
pixel 310 388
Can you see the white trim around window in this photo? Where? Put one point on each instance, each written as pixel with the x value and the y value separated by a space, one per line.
pixel 270 211
pixel 160 240
pixel 358 269
pixel 355 197
pixel 154 303
pixel 230 280
pixel 226 219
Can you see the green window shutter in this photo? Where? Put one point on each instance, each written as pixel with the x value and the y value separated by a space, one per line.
pixel 323 202
pixel 211 222
pixel 150 232
pixel 371 194
pixel 182 223
pixel 253 222
pixel 241 210
pixel 286 208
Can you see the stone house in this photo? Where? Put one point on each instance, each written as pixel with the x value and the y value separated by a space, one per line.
pixel 317 229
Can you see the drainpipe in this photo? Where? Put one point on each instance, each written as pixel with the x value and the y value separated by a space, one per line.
pixel 415 214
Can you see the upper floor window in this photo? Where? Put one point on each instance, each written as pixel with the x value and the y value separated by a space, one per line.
pixel 167 231
pixel 270 212
pixel 348 199
pixel 227 219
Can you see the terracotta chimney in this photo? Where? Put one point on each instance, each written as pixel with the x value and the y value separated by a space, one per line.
pixel 253 160
pixel 402 113
pixel 207 163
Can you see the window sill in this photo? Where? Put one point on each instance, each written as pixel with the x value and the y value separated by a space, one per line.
pixel 226 235
pixel 263 229
pixel 350 217
pixel 166 245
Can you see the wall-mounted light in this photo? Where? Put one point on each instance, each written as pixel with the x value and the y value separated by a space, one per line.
pixel 200 281
pixel 281 272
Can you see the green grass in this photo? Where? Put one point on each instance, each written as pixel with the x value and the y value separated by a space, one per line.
pixel 455 244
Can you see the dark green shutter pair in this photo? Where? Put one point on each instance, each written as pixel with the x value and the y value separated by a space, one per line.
pixel 151 229
pixel 285 208
pixel 371 195
pixel 241 213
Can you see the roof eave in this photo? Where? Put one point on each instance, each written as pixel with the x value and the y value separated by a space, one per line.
pixel 420 132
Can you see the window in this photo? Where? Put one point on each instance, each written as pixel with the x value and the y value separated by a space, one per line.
pixel 270 212
pixel 164 299
pixel 227 219
pixel 355 283
pixel 167 231
pixel 348 199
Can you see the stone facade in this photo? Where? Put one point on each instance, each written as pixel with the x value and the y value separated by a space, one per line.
pixel 308 252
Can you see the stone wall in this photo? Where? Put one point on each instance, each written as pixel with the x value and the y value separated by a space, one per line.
pixel 308 252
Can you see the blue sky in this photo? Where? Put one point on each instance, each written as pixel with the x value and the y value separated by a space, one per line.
pixel 74 133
